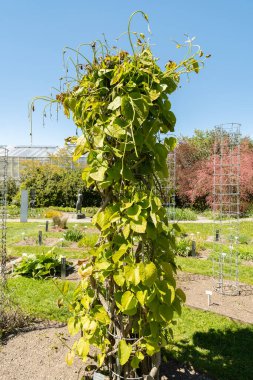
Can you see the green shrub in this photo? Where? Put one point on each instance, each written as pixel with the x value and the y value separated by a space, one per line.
pixel 52 213
pixel 40 265
pixel 56 185
pixel 73 235
pixel 13 211
pixel 63 209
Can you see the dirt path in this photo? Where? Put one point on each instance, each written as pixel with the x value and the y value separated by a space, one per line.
pixel 39 355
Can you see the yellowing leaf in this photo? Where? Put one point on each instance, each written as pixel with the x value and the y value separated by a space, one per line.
pixel 153 217
pixel 128 302
pixel 82 348
pixel 81 148
pixel 121 251
pixel 141 296
pixel 86 173
pixel 152 348
pixel 98 174
pixel 102 316
pixel 116 103
pixel 134 211
pixel 102 265
pixel 99 140
pixel 85 271
pixel 73 326
pixel 124 351
pixel 148 273
pixel 139 226
pixel 69 358
pixel 85 301
pixel 126 205
pixel 126 231
pixel 132 274
pixel 135 107
pixel 119 279
pixel 100 359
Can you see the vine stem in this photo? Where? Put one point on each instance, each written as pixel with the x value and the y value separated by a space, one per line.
pixel 129 27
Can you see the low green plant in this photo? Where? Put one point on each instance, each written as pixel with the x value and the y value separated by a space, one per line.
pixel 40 265
pixel 184 214
pixel 244 239
pixel 183 247
pixel 73 235
pixel 60 221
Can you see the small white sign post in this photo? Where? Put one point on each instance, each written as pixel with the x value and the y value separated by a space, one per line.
pixel 209 294
pixel 98 376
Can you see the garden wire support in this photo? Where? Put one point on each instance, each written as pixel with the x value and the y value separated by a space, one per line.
pixel 226 207
pixel 3 211
pixel 166 188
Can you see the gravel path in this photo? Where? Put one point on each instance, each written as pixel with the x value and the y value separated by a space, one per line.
pixel 39 354
pixel 239 307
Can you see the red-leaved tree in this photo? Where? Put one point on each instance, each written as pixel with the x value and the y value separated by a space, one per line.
pixel 195 174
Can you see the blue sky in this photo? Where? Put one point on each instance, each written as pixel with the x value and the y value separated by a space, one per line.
pixel 34 33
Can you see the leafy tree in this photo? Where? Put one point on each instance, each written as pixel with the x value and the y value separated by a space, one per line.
pixel 12 189
pixel 56 185
pixel 127 298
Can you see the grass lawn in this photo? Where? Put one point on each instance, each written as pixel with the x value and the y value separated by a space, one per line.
pixel 195 265
pixel 203 234
pixel 21 232
pixel 38 298
pixel 214 344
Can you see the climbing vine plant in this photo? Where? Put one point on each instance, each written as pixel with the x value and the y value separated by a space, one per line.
pixel 125 303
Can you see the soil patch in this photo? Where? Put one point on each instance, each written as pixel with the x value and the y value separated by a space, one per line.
pixel 39 355
pixel 238 307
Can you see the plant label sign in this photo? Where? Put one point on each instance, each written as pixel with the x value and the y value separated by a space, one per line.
pixel 98 376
